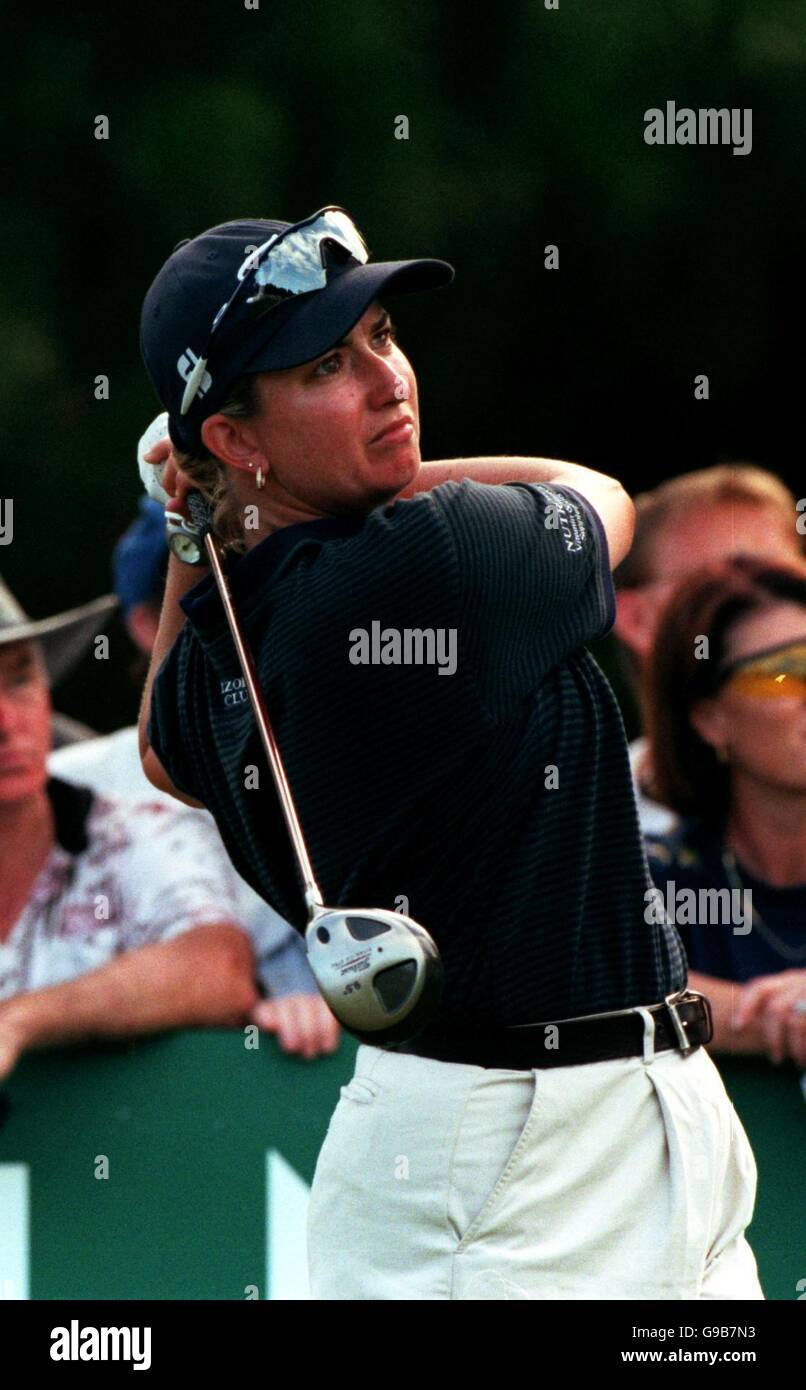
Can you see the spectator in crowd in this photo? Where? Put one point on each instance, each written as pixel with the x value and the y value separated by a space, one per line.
pixel 113 921
pixel 68 643
pixel 680 525
pixel 725 699
pixel 110 765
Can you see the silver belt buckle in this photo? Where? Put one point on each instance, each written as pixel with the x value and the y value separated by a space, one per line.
pixel 671 1001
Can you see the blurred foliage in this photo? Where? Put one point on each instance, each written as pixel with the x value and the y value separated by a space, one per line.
pixel 526 128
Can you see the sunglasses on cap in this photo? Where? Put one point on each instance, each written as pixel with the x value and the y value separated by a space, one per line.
pixel 289 263
pixel 776 674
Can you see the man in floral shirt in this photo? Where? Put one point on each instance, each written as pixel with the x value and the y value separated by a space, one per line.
pixel 114 922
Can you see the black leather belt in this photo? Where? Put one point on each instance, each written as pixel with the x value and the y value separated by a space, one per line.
pixel 682 1021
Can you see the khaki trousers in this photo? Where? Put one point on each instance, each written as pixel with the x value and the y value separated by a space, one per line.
pixel 615 1180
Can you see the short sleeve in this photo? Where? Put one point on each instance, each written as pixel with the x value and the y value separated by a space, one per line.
pixel 534 578
pixel 164 727
pixel 281 963
pixel 174 875
pixel 281 960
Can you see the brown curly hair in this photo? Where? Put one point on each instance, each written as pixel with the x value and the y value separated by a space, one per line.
pixel 211 476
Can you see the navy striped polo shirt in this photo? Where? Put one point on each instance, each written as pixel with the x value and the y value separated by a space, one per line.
pixel 453 749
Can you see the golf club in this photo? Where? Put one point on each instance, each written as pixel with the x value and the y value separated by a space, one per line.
pixel 379 970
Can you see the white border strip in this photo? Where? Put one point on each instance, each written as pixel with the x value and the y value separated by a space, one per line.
pixel 14 1231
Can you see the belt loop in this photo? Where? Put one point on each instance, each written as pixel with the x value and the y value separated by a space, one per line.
pixel 649 1034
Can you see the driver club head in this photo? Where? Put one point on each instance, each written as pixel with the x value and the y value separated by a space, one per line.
pixel 379 971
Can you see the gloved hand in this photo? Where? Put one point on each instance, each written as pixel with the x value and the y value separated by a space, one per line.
pixel 164 480
pixel 151 461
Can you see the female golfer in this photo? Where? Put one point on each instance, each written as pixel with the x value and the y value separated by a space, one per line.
pixel 418 630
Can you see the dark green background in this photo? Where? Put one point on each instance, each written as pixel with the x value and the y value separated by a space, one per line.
pixel 186 1120
pixel 526 128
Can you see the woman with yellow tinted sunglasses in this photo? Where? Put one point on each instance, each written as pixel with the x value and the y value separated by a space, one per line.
pixel 727 701
pixel 778 673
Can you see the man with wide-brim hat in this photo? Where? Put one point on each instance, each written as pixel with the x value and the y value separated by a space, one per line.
pixel 64 639
pixel 114 920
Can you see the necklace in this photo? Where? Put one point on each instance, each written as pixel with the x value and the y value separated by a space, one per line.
pixel 793 953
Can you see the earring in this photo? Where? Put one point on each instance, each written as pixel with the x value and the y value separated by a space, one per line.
pixel 722 753
pixel 260 481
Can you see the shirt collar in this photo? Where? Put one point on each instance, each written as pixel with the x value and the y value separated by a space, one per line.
pixel 71 806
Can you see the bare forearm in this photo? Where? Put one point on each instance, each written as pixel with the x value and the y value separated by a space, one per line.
pixel 502 469
pixel 203 978
pixel 180 579
pixel 724 997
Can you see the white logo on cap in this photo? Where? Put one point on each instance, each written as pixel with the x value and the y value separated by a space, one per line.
pixel 185 366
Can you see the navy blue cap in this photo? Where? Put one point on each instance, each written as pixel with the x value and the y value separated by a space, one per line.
pixel 199 278
pixel 140 558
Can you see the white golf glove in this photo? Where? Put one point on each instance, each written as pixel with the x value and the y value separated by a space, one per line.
pixel 151 473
